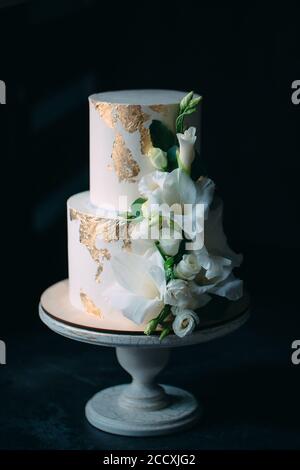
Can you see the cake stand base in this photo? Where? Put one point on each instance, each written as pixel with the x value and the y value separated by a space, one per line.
pixel 143 407
pixel 105 412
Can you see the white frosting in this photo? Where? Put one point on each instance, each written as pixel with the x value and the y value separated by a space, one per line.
pixel 140 97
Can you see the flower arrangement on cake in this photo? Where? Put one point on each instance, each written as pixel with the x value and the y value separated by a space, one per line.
pixel 178 219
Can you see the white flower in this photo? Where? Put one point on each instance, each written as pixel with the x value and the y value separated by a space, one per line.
pixel 175 195
pixel 158 158
pixel 169 241
pixel 185 321
pixel 188 267
pixel 205 188
pixel 178 293
pixel 217 260
pixel 138 291
pixel 216 267
pixel 186 148
pixel 151 185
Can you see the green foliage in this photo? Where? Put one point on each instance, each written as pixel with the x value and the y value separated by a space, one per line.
pixel 165 332
pixel 169 268
pixel 161 136
pixel 172 156
pixel 136 210
pixel 187 106
pixel 153 324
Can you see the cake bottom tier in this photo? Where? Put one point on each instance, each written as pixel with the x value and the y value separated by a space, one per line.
pixel 94 237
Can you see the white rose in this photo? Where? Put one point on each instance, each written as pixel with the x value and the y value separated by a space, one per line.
pixel 186 148
pixel 169 247
pixel 185 321
pixel 158 158
pixel 188 267
pixel 170 239
pixel 178 293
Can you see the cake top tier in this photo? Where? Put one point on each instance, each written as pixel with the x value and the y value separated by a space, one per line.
pixel 132 134
pixel 140 97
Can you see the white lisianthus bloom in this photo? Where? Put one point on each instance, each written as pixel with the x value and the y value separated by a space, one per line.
pixel 170 240
pixel 216 267
pixel 176 195
pixel 217 260
pixel 151 186
pixel 186 148
pixel 180 293
pixel 139 287
pixel 158 158
pixel 188 267
pixel 205 188
pixel 185 321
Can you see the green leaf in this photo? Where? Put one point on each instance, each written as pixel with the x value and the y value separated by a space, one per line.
pixel 179 124
pixel 189 111
pixel 165 332
pixel 188 105
pixel 169 262
pixel 136 207
pixel 168 266
pixel 185 101
pixel 161 136
pixel 195 101
pixel 165 312
pixel 172 158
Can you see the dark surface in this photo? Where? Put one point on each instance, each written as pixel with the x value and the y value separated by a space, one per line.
pixel 243 60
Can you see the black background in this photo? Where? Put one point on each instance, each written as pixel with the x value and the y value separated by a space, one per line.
pixel 243 61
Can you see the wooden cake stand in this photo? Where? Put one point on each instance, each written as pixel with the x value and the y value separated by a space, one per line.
pixel 143 407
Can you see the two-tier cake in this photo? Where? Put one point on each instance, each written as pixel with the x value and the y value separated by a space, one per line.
pixel 146 245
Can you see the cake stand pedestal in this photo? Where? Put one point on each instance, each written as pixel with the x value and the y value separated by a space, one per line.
pixel 143 407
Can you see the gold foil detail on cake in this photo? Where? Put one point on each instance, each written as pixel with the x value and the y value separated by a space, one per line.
pixel 158 108
pixel 89 305
pixel 106 111
pixel 109 230
pixel 89 229
pixel 131 116
pixel 125 166
pixel 145 140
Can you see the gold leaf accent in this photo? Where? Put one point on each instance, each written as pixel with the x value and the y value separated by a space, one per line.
pixel 125 166
pixel 145 140
pixel 89 229
pixel 89 305
pixel 158 108
pixel 106 111
pixel 131 116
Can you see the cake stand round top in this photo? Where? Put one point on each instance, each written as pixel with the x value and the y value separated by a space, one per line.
pixel 59 315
